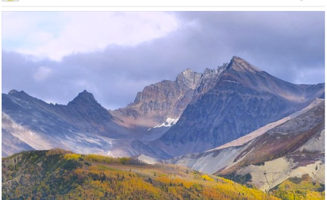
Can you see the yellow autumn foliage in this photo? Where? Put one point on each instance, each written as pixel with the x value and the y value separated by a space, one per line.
pixel 74 177
pixel 72 156
pixel 207 178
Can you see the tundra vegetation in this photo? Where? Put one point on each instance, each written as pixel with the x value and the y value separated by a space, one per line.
pixel 60 174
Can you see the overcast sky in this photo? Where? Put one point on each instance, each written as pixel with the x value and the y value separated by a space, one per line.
pixel 55 55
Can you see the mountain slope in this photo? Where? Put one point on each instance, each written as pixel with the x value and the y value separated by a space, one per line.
pixel 10 143
pixel 83 124
pixel 290 147
pixel 242 99
pixel 58 174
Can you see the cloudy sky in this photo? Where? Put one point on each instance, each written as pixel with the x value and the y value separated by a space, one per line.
pixel 55 55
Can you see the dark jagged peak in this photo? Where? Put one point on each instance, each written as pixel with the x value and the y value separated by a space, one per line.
pixel 83 98
pixel 87 107
pixel 239 64
pixel 188 78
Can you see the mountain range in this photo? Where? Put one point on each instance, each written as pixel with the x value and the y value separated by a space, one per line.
pixel 194 113
pixel 235 121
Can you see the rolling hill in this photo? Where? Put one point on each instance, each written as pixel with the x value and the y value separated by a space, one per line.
pixel 59 174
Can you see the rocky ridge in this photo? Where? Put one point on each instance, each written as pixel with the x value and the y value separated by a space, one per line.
pixel 241 99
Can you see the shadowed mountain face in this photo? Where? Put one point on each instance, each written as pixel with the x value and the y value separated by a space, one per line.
pixel 291 147
pixel 242 99
pixel 87 114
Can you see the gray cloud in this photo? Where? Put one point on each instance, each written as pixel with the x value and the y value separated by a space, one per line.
pixel 289 45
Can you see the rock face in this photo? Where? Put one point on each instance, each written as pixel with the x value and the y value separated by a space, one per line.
pixel 157 102
pixel 160 105
pixel 293 147
pixel 240 99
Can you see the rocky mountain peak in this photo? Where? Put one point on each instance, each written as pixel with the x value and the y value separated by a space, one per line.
pixel 237 100
pixel 84 97
pixel 188 78
pixel 239 64
pixel 85 107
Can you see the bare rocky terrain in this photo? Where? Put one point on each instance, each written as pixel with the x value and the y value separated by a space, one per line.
pixel 292 147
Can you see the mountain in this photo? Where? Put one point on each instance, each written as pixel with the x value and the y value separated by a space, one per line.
pixel 292 147
pixel 159 102
pixel 83 124
pixel 236 122
pixel 59 174
pixel 84 112
pixel 88 115
pixel 193 113
pixel 240 99
pixel 159 105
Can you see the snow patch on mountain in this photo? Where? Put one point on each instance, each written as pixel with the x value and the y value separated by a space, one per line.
pixel 168 123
